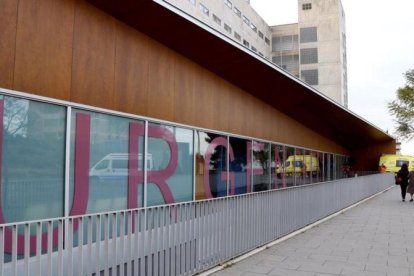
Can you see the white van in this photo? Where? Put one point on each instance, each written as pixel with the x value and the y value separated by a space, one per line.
pixel 116 165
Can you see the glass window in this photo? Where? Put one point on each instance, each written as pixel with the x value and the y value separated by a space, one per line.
pixel 311 77
pixel 170 179
pixel 227 28
pixel 308 166
pixel 253 27
pixel 331 168
pixel 192 1
pixel 237 36
pixel 260 34
pixel 309 55
pixel 267 41
pixel 261 166
pixel 289 62
pixel 246 43
pixel 309 34
pixel 103 146
pixel 246 20
pixel 204 9
pixel 278 157
pixel 33 160
pixel 240 181
pixel 211 165
pixel 285 43
pixel 217 19
pixel 228 3
pixel 299 167
pixel 317 167
pixel 237 11
pixel 307 6
pixel 289 166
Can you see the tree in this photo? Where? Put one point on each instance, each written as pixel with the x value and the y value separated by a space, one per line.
pixel 403 108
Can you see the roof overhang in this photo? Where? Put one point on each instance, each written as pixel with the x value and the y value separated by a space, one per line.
pixel 245 69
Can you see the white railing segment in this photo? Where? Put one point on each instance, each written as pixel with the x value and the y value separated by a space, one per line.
pixel 180 239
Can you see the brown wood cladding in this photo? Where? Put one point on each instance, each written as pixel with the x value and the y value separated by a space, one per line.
pixel 44 47
pixel 70 50
pixel 8 23
pixel 93 71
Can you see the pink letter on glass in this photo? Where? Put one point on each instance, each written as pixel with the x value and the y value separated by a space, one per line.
pixel 160 177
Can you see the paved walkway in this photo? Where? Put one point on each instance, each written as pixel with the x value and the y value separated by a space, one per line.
pixel 374 238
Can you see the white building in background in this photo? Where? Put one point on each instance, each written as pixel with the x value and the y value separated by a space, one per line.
pixel 314 49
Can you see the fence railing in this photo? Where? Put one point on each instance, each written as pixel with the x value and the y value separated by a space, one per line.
pixel 180 239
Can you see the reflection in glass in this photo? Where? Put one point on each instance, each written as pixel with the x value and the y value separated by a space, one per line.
pixel 171 151
pixel 108 170
pixel 317 166
pixel 278 154
pixel 299 167
pixel 261 166
pixel 289 167
pixel 211 165
pixel 308 166
pixel 240 183
pixel 33 143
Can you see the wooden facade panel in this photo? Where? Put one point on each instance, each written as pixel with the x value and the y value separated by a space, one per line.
pixel 131 71
pixel 204 101
pixel 224 105
pixel 8 23
pixel 184 96
pixel 93 57
pixel 161 82
pixel 44 47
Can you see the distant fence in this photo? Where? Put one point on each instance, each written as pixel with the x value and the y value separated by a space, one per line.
pixel 180 239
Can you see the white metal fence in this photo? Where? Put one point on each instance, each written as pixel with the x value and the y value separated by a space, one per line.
pixel 180 239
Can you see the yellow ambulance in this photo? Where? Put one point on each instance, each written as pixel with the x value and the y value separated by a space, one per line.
pixel 393 162
pixel 296 164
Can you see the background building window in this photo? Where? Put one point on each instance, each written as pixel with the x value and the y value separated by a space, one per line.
pixel 217 19
pixel 246 20
pixel 192 2
pixel 307 6
pixel 245 43
pixel 287 62
pixel 308 35
pixel 267 41
pixel 310 76
pixel 254 28
pixel 227 28
pixel 204 9
pixel 228 3
pixel 237 11
pixel 285 43
pixel 260 34
pixel 308 56
pixel 237 36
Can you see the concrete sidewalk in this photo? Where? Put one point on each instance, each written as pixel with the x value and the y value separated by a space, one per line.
pixel 374 238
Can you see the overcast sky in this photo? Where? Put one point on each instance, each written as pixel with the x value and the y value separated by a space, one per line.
pixel 380 48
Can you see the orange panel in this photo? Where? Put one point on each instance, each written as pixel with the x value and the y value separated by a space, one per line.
pixel 8 15
pixel 131 71
pixel 93 57
pixel 44 47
